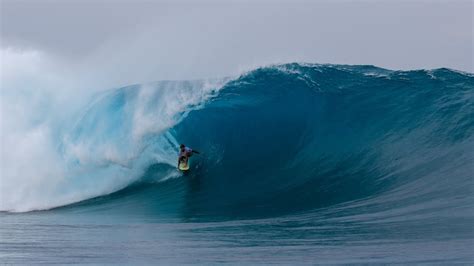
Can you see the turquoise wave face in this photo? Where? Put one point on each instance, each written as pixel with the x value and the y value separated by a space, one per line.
pixel 297 138
pixel 283 140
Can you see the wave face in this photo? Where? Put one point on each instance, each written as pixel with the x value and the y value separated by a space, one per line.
pixel 297 138
pixel 284 139
pixel 294 139
pixel 376 160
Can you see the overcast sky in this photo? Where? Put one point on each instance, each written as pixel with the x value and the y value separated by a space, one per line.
pixel 136 41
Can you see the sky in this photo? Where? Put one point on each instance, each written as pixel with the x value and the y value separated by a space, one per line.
pixel 113 43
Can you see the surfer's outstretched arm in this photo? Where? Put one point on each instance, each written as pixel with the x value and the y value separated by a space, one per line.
pixel 195 151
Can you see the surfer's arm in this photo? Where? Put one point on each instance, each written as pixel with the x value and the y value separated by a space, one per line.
pixel 194 151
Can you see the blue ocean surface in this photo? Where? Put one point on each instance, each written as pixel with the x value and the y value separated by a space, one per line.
pixel 298 164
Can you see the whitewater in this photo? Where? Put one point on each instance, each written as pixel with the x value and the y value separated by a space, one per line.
pixel 300 163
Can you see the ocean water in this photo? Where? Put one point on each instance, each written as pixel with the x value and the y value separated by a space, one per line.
pixel 299 164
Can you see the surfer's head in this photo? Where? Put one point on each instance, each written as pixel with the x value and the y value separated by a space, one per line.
pixel 182 146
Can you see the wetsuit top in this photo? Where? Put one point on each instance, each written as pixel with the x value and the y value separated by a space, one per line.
pixel 187 151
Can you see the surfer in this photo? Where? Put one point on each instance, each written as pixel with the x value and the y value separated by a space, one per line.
pixel 184 154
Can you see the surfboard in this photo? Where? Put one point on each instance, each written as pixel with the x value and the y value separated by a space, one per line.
pixel 184 166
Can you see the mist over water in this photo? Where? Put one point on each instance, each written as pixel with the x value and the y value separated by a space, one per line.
pixel 55 153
